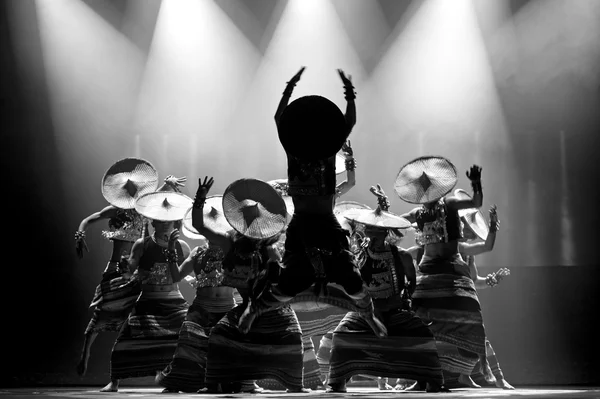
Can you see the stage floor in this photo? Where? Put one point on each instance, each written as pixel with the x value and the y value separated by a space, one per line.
pixel 362 393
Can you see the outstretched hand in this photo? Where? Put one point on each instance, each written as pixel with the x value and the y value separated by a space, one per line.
pixel 175 182
pixel 382 199
pixel 347 80
pixel 347 149
pixel 296 78
pixel 474 173
pixel 204 187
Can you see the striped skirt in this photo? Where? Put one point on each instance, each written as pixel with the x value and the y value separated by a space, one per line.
pixel 451 379
pixel 409 350
pixel 450 303
pixel 113 300
pixel 316 323
pixel 149 336
pixel 187 369
pixel 272 349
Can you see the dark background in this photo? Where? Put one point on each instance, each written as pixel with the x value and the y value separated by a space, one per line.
pixel 541 320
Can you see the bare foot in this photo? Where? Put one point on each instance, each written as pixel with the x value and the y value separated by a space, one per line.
pixel 112 386
pixel 503 384
pixel 169 390
pixel 298 390
pixel 250 387
pixel 339 387
pixel 468 381
pixel 416 387
pixel 382 384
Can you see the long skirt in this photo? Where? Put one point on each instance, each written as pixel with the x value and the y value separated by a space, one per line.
pixel 272 349
pixel 409 351
pixel 317 323
pixel 451 379
pixel 114 299
pixel 449 301
pixel 187 369
pixel 148 339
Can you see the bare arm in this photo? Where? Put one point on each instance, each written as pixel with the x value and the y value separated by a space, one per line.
pixel 480 282
pixel 474 174
pixel 350 162
pixel 80 243
pixel 287 93
pixel 411 216
pixel 215 237
pixel 350 95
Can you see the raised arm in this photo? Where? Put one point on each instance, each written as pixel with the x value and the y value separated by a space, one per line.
pixel 350 181
pixel 350 96
pixel 475 176
pixel 215 237
pixel 488 245
pixel 287 93
pixel 80 244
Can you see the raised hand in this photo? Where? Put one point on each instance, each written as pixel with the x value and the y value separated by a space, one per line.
pixel 494 222
pixel 204 187
pixel 382 199
pixel 474 173
pixel 175 182
pixel 172 239
pixel 347 80
pixel 296 78
pixel 347 149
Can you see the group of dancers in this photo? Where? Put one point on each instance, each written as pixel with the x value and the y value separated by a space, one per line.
pixel 283 262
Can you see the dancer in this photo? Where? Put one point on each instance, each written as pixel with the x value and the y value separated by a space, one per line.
pixel 410 350
pixel 146 342
pixel 316 323
pixel 445 293
pixel 478 238
pixel 312 130
pixel 213 300
pixel 115 295
pixel 272 348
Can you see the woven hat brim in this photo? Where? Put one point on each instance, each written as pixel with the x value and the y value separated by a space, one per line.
pixel 379 219
pixel 163 206
pixel 254 208
pixel 342 207
pixel 128 179
pixel 214 218
pixel 425 179
pixel 472 216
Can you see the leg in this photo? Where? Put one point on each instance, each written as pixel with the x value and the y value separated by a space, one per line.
pixel 85 352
